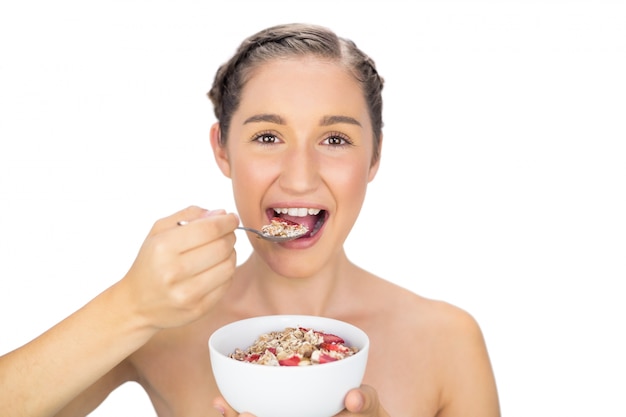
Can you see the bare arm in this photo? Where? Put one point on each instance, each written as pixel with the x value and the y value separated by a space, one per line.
pixel 41 377
pixel 178 275
pixel 94 395
pixel 470 387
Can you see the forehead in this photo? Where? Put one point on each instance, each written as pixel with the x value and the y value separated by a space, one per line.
pixel 302 84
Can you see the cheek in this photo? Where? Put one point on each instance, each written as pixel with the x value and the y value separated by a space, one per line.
pixel 350 181
pixel 250 179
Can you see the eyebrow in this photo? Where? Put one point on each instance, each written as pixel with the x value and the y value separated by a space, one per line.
pixel 324 121
pixel 271 118
pixel 331 120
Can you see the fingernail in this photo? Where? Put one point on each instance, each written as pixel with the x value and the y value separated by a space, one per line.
pixel 219 409
pixel 213 212
pixel 360 402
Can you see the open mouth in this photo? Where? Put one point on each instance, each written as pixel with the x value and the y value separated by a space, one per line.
pixel 312 218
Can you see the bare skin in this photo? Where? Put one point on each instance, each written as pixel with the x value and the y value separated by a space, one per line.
pixel 413 367
pixel 427 358
pixel 177 277
pixel 300 138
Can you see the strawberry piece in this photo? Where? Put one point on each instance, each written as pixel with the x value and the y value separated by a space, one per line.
pixel 331 338
pixel 286 221
pixel 292 361
pixel 333 346
pixel 325 358
pixel 252 358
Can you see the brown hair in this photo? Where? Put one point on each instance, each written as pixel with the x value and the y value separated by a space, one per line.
pixel 290 40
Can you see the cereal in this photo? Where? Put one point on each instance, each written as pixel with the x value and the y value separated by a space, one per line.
pixel 295 346
pixel 283 228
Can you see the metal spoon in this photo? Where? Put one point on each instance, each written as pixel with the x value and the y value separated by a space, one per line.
pixel 271 238
pixel 268 237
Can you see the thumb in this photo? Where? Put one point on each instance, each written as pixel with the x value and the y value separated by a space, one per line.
pixel 222 407
pixel 362 400
pixel 226 410
pixel 355 401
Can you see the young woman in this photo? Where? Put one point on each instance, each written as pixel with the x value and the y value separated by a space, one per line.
pixel 299 134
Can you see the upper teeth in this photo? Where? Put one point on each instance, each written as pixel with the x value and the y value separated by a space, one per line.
pixel 297 211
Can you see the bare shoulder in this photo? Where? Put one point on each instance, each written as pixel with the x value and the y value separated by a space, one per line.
pixel 439 319
pixel 444 319
pixel 441 343
pixel 467 378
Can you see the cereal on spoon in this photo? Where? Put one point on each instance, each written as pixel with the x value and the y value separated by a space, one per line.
pixel 279 227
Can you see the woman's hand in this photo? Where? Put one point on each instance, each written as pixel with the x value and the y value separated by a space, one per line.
pixel 178 275
pixel 181 271
pixel 224 409
pixel 362 401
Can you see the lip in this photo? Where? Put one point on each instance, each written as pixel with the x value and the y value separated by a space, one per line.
pixel 302 242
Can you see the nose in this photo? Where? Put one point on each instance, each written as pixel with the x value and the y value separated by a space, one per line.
pixel 300 171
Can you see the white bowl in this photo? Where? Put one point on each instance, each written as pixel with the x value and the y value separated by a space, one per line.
pixel 286 391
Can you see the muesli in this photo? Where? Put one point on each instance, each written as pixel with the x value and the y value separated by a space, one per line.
pixel 295 346
pixel 283 228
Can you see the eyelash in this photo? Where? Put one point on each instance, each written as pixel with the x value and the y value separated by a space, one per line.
pixel 259 137
pixel 343 139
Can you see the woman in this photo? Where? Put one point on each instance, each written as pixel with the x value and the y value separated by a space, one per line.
pixel 299 134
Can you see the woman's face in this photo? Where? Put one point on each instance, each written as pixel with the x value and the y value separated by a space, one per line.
pixel 301 143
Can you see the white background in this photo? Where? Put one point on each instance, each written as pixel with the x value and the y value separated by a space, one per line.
pixel 503 152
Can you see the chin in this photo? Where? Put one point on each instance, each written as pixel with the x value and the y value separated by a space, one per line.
pixel 292 267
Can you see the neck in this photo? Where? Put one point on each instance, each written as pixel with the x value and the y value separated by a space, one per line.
pixel 268 291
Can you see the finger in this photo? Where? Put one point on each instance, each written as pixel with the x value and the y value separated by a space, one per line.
pixel 222 406
pixel 188 214
pixel 355 401
pixel 200 259
pixel 212 284
pixel 362 400
pixel 186 219
pixel 201 231
pixel 199 294
pixel 212 298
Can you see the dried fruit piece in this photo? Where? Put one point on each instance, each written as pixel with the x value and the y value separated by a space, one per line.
pixel 324 358
pixel 292 361
pixel 331 338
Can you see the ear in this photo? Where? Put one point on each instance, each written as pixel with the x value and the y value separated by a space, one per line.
pixel 374 167
pixel 219 151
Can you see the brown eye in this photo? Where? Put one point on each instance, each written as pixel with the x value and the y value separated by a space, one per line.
pixel 266 138
pixel 334 140
pixel 337 140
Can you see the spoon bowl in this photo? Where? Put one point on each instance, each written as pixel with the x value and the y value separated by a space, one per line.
pixel 268 237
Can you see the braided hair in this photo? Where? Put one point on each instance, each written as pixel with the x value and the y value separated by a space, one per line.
pixel 294 40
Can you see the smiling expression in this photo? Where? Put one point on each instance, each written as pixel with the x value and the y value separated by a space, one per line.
pixel 300 143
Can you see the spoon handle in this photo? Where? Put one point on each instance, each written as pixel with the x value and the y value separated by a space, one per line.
pixel 255 231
